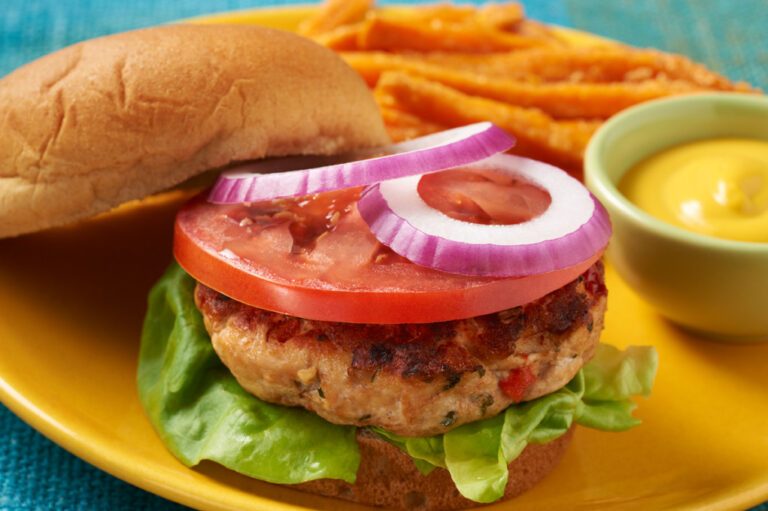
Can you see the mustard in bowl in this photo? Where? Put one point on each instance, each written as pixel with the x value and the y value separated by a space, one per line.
pixel 690 236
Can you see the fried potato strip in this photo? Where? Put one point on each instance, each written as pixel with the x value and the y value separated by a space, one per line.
pixel 370 65
pixel 343 38
pixel 402 125
pixel 385 34
pixel 507 16
pixel 538 135
pixel 591 64
pixel 335 14
pixel 444 65
pixel 562 100
pixel 447 28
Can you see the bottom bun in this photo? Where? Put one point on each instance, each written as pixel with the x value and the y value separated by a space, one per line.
pixel 388 478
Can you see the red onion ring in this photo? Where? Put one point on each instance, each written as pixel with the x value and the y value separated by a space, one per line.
pixel 438 151
pixel 573 228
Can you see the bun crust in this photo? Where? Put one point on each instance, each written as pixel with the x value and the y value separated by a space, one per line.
pixel 388 478
pixel 120 117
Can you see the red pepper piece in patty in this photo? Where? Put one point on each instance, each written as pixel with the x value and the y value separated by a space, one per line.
pixel 517 383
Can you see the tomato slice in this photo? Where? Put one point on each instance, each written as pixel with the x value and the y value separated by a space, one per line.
pixel 315 258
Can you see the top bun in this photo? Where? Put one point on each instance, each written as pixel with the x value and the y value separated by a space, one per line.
pixel 120 117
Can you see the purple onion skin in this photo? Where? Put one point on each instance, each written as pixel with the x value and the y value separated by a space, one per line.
pixel 417 156
pixel 483 259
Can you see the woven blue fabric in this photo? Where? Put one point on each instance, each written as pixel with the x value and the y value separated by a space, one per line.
pixel 35 474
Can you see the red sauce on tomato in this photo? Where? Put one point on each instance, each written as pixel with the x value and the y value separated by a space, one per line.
pixel 307 218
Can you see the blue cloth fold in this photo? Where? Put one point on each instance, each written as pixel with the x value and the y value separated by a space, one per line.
pixel 35 474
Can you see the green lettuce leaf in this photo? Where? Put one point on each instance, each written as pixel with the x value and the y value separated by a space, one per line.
pixel 477 454
pixel 611 378
pixel 613 375
pixel 201 412
pixel 427 453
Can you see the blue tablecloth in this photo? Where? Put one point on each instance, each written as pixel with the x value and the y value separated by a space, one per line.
pixel 35 474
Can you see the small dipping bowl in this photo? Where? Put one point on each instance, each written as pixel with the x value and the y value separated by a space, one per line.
pixel 715 287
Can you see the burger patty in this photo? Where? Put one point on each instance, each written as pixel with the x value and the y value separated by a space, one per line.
pixel 410 379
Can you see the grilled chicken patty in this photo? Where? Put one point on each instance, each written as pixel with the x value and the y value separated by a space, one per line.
pixel 410 379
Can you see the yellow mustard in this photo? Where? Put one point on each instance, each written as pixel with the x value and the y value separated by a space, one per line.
pixel 717 187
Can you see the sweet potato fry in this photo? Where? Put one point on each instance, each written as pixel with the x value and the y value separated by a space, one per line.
pixel 538 135
pixel 343 38
pixel 403 125
pixel 490 75
pixel 505 16
pixel 370 65
pixel 443 65
pixel 334 14
pixel 535 30
pixel 446 13
pixel 390 33
pixel 562 100
pixel 603 64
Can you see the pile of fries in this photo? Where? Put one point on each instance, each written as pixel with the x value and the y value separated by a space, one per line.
pixel 438 66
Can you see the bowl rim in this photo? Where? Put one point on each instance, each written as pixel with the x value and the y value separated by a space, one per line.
pixel 603 186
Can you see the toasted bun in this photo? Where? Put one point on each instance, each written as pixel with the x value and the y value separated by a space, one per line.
pixel 388 478
pixel 120 117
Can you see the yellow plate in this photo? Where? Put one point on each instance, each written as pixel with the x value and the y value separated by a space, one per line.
pixel 72 303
